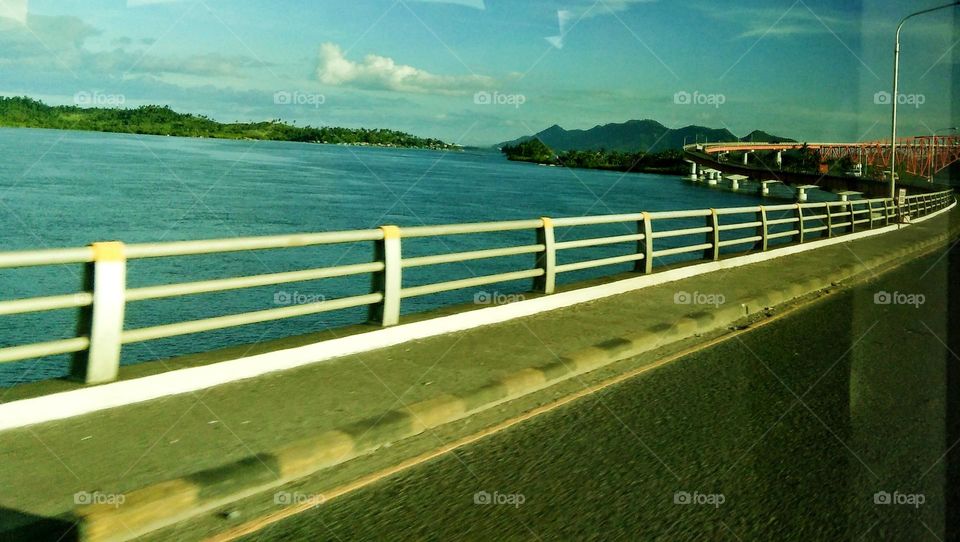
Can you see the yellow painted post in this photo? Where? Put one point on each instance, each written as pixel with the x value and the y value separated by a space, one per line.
pixel 713 237
pixel 799 237
pixel 829 211
pixel 762 230
pixel 645 245
pixel 102 321
pixel 546 260
pixel 388 282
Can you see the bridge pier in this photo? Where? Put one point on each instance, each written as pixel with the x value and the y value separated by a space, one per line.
pixel 765 187
pixel 779 160
pixel 693 170
pixel 735 181
pixel 845 195
pixel 802 192
pixel 712 177
pixel 746 155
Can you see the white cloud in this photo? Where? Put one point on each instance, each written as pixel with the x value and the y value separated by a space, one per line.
pixel 382 73
pixel 14 9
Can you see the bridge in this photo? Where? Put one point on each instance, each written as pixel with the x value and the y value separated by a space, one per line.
pixel 689 273
pixel 921 156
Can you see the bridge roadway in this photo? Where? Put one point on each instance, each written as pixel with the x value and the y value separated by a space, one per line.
pixel 114 452
pixel 724 420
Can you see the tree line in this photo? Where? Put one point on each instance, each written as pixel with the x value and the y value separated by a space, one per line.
pixel 26 112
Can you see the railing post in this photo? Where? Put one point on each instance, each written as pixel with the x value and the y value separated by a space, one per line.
pixel 645 245
pixel 849 207
pixel 546 260
pixel 389 282
pixel 829 220
pixel 713 237
pixel 799 236
pixel 762 230
pixel 102 321
pixel 870 213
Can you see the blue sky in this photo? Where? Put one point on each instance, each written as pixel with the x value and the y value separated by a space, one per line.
pixel 483 71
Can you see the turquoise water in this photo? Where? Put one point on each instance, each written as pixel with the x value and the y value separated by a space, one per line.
pixel 64 189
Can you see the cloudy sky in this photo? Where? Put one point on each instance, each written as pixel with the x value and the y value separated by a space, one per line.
pixel 483 71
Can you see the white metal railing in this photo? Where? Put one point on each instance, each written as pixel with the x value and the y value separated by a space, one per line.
pixel 97 347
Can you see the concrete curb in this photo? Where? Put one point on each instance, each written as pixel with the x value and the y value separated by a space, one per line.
pixel 166 503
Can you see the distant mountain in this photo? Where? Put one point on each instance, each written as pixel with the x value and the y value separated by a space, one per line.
pixel 759 136
pixel 635 135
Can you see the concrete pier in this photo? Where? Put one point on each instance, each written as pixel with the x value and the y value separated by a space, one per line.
pixel 735 181
pixel 845 195
pixel 802 192
pixel 765 187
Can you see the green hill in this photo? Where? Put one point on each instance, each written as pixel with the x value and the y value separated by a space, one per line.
pixel 23 112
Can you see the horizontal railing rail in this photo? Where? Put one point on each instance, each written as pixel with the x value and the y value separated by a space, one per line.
pixel 648 236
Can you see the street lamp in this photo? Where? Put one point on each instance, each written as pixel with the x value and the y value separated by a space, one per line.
pixel 933 147
pixel 893 98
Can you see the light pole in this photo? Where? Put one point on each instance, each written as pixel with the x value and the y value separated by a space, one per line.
pixel 893 98
pixel 933 148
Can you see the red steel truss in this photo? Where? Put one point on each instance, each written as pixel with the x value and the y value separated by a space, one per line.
pixel 922 155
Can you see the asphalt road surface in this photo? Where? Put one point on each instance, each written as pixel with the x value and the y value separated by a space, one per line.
pixel 831 423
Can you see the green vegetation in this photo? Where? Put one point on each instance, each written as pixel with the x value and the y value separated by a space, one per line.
pixel 530 151
pixel 23 112
pixel 534 150
pixel 668 162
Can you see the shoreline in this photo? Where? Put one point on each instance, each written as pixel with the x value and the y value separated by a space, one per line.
pixel 674 172
pixel 450 148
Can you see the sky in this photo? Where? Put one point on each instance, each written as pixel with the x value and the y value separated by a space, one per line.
pixel 477 72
